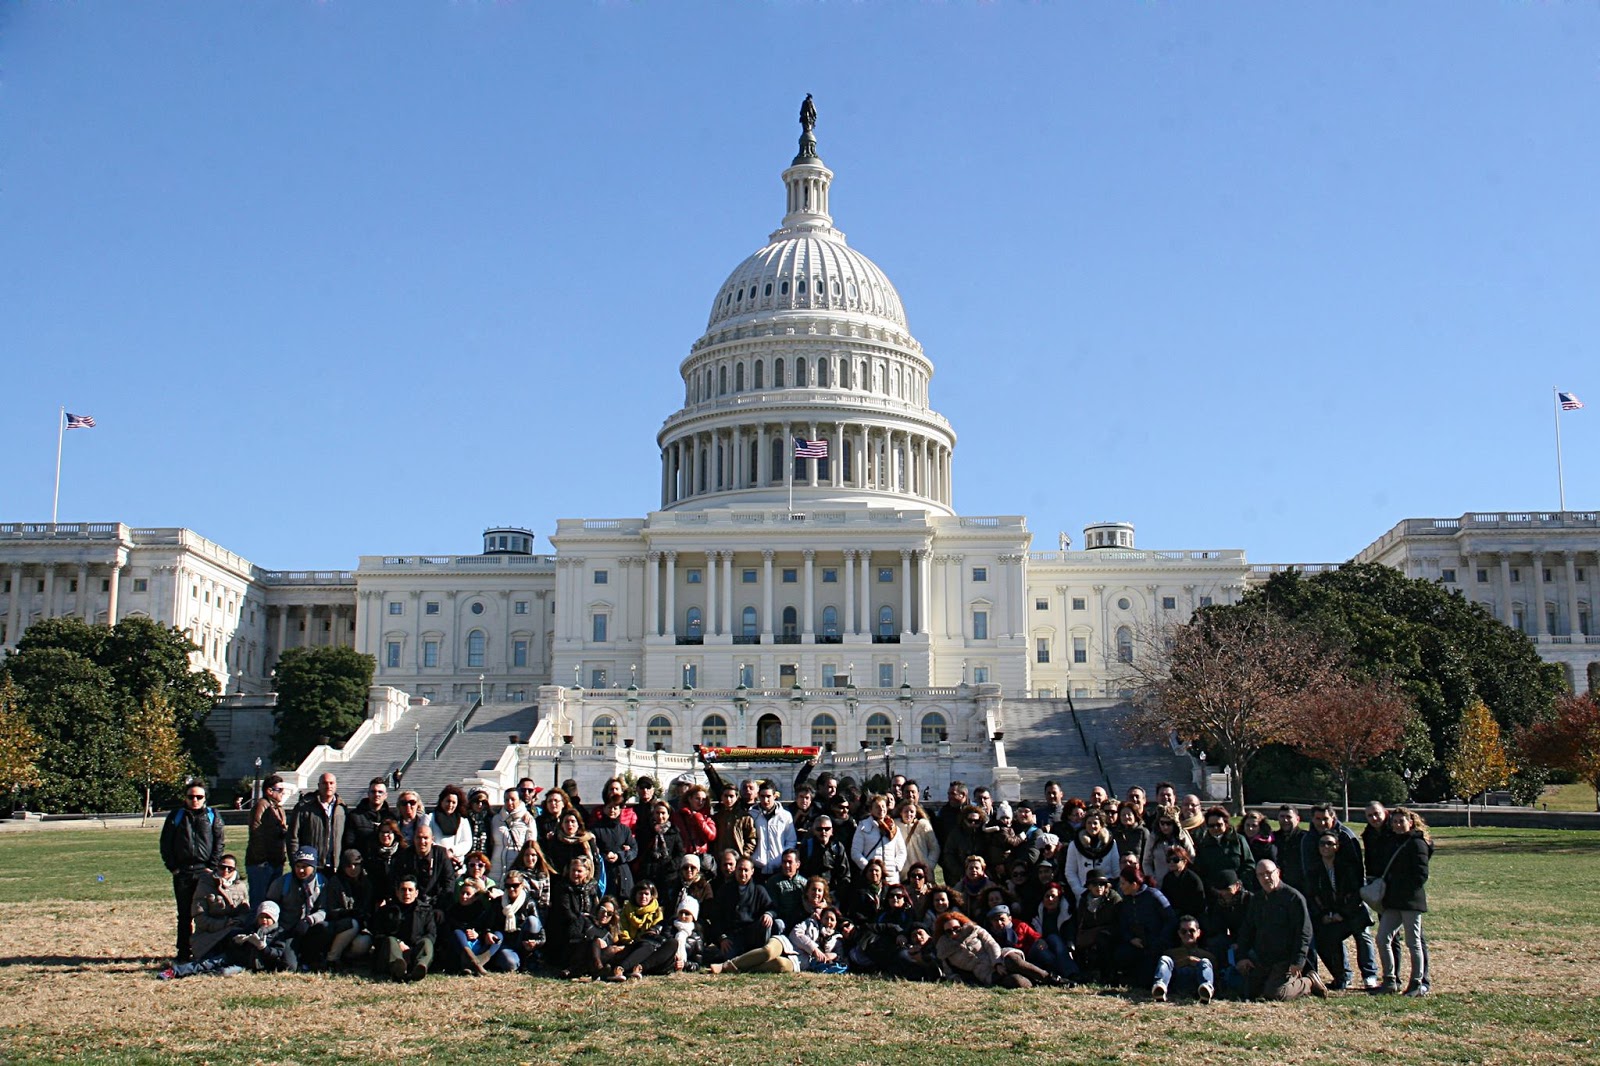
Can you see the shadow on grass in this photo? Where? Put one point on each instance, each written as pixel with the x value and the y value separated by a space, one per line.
pixel 87 962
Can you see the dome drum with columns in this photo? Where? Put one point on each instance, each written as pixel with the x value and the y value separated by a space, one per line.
pixel 806 338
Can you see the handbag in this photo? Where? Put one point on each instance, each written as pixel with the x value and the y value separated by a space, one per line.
pixel 1372 892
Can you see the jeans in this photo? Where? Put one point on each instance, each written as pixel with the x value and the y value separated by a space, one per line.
pixel 1184 978
pixel 1410 923
pixel 260 878
pixel 1051 953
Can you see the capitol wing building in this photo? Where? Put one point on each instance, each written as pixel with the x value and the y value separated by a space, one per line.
pixel 804 579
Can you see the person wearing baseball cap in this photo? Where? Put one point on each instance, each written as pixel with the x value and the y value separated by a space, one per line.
pixel 303 899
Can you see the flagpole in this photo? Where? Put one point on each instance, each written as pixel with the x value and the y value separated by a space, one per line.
pixel 789 471
pixel 1561 478
pixel 61 431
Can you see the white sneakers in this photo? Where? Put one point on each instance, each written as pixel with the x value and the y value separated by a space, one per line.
pixel 1206 992
pixel 1158 992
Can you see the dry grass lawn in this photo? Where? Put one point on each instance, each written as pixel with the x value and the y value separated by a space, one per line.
pixel 1514 940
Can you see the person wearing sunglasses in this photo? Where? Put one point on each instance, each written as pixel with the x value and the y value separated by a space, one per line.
pixel 192 844
pixel 267 852
pixel 221 907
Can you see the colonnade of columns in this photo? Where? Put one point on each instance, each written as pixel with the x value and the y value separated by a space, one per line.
pixel 25 587
pixel 859 457
pixel 1510 573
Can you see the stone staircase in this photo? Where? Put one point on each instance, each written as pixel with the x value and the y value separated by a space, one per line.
pixel 1043 743
pixel 472 752
pixel 420 728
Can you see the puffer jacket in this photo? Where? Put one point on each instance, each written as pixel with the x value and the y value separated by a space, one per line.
pixel 970 950
pixel 218 910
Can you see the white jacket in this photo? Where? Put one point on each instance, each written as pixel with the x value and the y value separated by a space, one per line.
pixel 870 843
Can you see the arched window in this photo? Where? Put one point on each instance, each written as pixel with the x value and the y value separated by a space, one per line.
pixel 791 621
pixel 880 730
pixel 769 731
pixel 830 621
pixel 886 621
pixel 605 731
pixel 747 622
pixel 755 458
pixel 659 731
pixel 864 379
pixel 800 380
pixel 822 373
pixel 475 648
pixel 738 377
pixel 824 731
pixel 777 373
pixel 844 373
pixel 722 380
pixel 777 458
pixel 933 724
pixel 1124 644
pixel 714 731
pixel 761 382
pixel 693 624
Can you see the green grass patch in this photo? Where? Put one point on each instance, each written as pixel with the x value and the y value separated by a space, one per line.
pixel 83 864
pixel 1575 797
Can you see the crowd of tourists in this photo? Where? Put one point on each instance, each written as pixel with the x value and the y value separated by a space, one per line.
pixel 1162 895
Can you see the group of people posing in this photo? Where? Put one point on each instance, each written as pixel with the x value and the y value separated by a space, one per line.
pixel 1167 895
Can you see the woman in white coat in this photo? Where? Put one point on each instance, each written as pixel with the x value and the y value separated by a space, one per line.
pixel 878 837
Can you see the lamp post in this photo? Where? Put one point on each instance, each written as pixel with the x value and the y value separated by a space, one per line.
pixel 416 740
pixel 255 787
pixel 576 670
pixel 480 688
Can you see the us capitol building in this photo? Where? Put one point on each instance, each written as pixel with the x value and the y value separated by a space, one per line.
pixel 768 599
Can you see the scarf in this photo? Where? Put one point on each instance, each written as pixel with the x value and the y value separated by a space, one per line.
pixel 637 919
pixel 886 827
pixel 448 824
pixel 509 909
pixel 1094 849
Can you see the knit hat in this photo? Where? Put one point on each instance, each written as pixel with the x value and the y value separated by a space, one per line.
pixel 690 904
pixel 268 907
pixel 351 857
pixel 1224 879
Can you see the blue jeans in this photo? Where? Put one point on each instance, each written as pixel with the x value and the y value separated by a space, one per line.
pixel 1184 978
pixel 260 878
pixel 1051 953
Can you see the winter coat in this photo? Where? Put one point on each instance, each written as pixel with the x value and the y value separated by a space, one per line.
pixel 192 841
pixel 301 904
pixel 774 834
pixel 269 835
pixel 736 830
pixel 1405 885
pixel 697 829
pixel 361 824
pixel 1146 916
pixel 508 835
pixel 969 950
pixel 659 855
pixel 1155 859
pixel 411 924
pixel 457 843
pixel 736 913
pixel 1084 856
pixel 1135 841
pixel 921 844
pixel 435 875
pixel 570 923
pixel 1291 858
pixel 1339 894
pixel 311 826
pixel 218 910
pixel 1277 928
pixel 1185 891
pixel 871 842
pixel 1213 854
pixel 352 898
pixel 612 836
pixel 828 861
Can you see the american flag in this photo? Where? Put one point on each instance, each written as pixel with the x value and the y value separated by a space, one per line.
pixel 1569 402
pixel 79 421
pixel 810 449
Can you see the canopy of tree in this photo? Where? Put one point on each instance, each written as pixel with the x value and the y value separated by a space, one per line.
pixel 322 698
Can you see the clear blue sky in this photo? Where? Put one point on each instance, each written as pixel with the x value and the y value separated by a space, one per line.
pixel 351 278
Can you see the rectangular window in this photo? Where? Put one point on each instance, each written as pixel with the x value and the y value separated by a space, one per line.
pixel 520 607
pixel 430 653
pixel 790 575
pixel 601 577
pixel 205 599
pixel 1550 620
pixel 1518 623
pixel 886 675
pixel 1205 601
pixel 692 577
pixel 431 608
pixel 8 585
pixel 41 585
pixel 519 653
pixel 142 584
pixel 1080 649
pixel 1516 574
pixel 747 675
pixel 980 573
pixel 597 677
pixel 105 584
pixel 1583 622
pixel 830 675
pixel 748 577
pixel 393 654
pixel 194 591
pixel 1041 605
pixel 980 675
pixel 1041 649
pixel 1483 576
pixel 1448 576
pixel 1547 575
pixel 72 586
pixel 1580 573
pixel 885 575
pixel 1169 603
pixel 599 628
pixel 1079 604
pixel 788 674
pixel 830 576
pixel 980 625
pixel 1080 693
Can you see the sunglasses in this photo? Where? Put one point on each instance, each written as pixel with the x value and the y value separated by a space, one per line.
pixel 228 869
pixel 196 796
pixel 408 803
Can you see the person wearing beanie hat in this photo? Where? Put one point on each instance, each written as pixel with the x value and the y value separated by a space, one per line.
pixel 265 949
pixel 672 947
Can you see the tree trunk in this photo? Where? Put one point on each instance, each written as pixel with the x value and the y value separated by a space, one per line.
pixel 1469 812
pixel 1344 781
pixel 144 811
pixel 1236 775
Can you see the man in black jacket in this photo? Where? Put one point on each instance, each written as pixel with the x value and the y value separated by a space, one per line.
pixel 318 821
pixel 406 929
pixel 824 857
pixel 429 867
pixel 191 847
pixel 1275 939
pixel 362 821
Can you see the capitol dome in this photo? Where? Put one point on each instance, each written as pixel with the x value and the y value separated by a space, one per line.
pixel 807 387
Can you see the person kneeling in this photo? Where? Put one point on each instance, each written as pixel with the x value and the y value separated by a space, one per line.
pixel 406 929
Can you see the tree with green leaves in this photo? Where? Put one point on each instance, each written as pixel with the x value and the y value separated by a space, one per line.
pixel 1568 740
pixel 73 707
pixel 322 698
pixel 20 747
pixel 1438 649
pixel 143 657
pixel 153 752
pixel 1480 761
